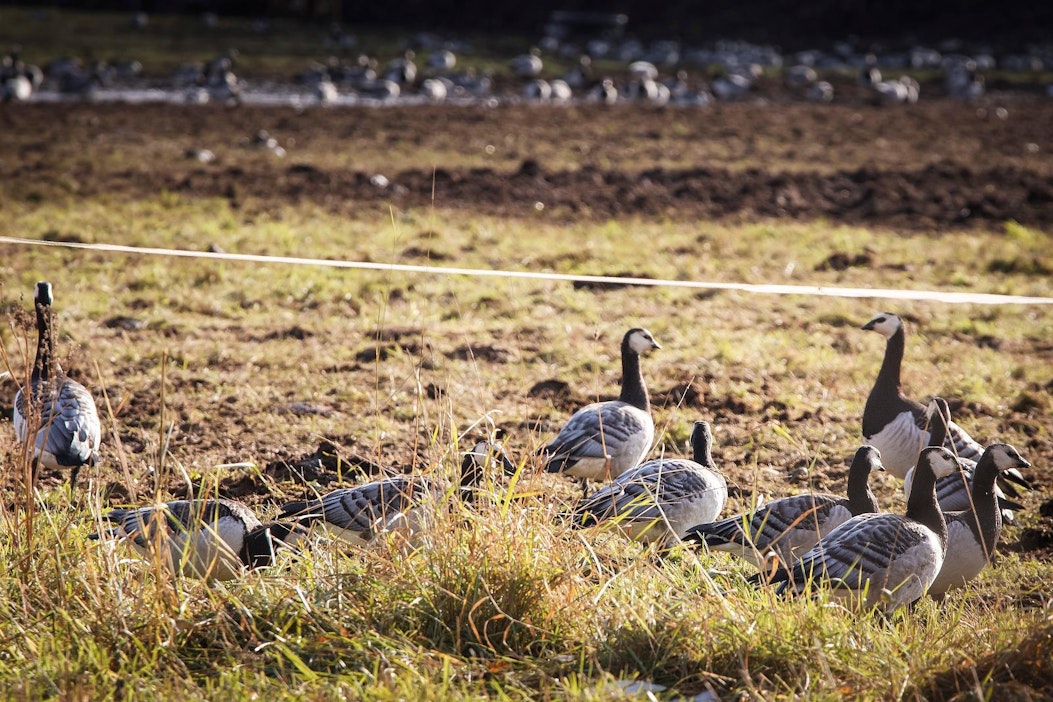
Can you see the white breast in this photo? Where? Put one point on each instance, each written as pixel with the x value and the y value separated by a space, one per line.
pixel 899 442
pixel 201 554
pixel 964 561
pixel 909 576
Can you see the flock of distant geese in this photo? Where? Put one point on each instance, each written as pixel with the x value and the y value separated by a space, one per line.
pixel 654 75
pixel 956 489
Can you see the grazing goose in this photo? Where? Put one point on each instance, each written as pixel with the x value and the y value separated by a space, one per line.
pixel 820 91
pixel 790 526
pixel 442 61
pixel 660 499
pixel 605 92
pixel 402 70
pixel 325 91
pixel 731 86
pixel 605 439
pixel 800 77
pixel 869 74
pixel 15 89
pixel 887 560
pixel 895 424
pixel 972 533
pixel 214 539
pixel 953 492
pixel 58 411
pixel 528 65
pixel 435 89
pixel 643 70
pixel 537 90
pixel 580 76
pixel 561 92
pixel 359 514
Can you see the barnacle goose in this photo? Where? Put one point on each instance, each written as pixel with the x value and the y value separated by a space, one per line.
pixel 528 65
pixel 215 539
pixel 397 504
pixel 57 411
pixel 895 424
pixel 790 526
pixel 953 492
pixel 658 500
pixel 882 560
pixel 972 533
pixel 604 439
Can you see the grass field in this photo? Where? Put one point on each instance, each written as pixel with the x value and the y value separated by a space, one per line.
pixel 223 378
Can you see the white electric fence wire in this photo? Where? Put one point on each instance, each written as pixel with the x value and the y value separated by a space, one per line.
pixel 756 288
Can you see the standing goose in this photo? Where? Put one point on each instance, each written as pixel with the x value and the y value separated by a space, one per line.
pixel 953 492
pixel 660 499
pixel 214 539
pixel 359 514
pixel 605 439
pixel 972 533
pixel 792 525
pixel 885 559
pixel 58 411
pixel 895 424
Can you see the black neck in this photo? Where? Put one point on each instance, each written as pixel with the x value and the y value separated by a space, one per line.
pixel 938 426
pixel 888 376
pixel 922 506
pixel 986 523
pixel 634 391
pixel 257 551
pixel 471 476
pixel 43 366
pixel 861 498
pixel 701 445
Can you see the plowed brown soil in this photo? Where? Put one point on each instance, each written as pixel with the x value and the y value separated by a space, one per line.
pixel 933 165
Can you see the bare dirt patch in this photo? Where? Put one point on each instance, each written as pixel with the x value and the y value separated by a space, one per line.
pixel 937 164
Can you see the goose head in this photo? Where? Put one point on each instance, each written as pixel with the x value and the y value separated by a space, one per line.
pixel 641 341
pixel 941 461
pixel 702 443
pixel 44 295
pixel 263 542
pixel 485 453
pixel 885 323
pixel 869 456
pixel 1006 457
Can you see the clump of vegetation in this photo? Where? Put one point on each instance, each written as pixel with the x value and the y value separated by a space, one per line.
pixel 210 395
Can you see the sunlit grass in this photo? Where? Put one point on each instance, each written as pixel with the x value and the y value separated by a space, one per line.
pixel 502 600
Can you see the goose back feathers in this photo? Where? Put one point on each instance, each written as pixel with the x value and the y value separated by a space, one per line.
pixel 398 504
pixel 216 539
pixel 604 439
pixel 953 491
pixel 56 414
pixel 660 499
pixel 790 526
pixel 885 560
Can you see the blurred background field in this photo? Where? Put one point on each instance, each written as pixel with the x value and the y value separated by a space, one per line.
pixel 265 382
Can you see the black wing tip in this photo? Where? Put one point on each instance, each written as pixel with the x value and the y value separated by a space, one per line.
pixel 302 510
pixel 1015 477
pixel 1004 503
pixel 557 464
